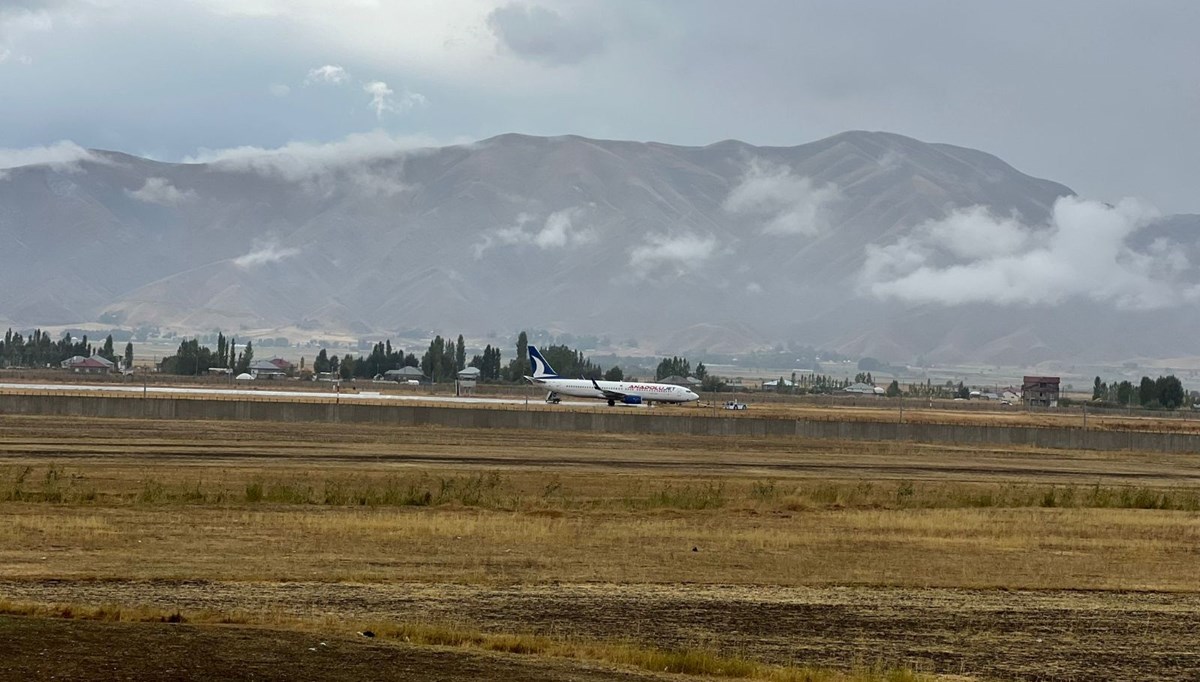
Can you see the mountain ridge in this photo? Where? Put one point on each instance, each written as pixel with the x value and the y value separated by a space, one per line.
pixel 752 245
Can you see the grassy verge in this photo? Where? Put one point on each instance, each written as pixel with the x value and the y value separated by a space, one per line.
pixel 54 484
pixel 689 661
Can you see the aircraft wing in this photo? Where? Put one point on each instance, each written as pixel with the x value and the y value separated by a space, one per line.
pixel 611 395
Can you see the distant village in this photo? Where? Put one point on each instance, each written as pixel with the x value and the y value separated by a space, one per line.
pixel 445 361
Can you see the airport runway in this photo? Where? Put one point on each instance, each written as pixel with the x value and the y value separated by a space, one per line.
pixel 269 393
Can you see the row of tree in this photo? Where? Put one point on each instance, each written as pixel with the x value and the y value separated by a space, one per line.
pixel 1163 392
pixel 192 359
pixel 381 359
pixel 39 350
pixel 675 366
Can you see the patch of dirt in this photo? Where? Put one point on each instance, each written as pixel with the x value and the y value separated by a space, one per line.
pixel 991 633
pixel 45 648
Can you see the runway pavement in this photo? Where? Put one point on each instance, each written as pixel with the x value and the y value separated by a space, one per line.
pixel 329 394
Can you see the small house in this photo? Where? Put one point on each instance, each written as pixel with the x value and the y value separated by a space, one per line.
pixel 93 365
pixel 1040 391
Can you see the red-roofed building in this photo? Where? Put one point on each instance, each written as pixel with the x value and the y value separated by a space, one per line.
pixel 93 365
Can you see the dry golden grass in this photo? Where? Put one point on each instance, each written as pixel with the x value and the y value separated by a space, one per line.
pixel 151 502
pixel 1036 548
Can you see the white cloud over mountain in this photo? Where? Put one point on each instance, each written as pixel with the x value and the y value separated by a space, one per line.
pixel 683 249
pixel 160 191
pixel 63 155
pixel 560 229
pixel 973 256
pixel 787 204
pixel 263 253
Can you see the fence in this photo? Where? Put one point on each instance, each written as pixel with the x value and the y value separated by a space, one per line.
pixel 281 409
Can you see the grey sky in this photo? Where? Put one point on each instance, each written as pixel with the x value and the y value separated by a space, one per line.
pixel 1102 96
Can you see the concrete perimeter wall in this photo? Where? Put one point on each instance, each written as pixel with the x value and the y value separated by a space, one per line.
pixel 614 421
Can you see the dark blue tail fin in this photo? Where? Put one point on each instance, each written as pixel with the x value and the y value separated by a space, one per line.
pixel 538 365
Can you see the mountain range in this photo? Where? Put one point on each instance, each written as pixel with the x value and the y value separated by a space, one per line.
pixel 866 243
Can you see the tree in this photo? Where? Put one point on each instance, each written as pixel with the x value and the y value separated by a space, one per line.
pixel 962 391
pixel 438 361
pixel 614 373
pixel 246 358
pixel 701 372
pixel 673 366
pixel 128 355
pixel 460 355
pixel 893 389
pixel 321 364
pixel 488 363
pixel 347 367
pixel 520 364
pixel 107 352
pixel 1124 393
pixel 1146 391
pixel 1169 391
pixel 1099 390
pixel 569 362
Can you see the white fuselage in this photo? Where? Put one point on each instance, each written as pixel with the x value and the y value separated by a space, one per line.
pixel 647 392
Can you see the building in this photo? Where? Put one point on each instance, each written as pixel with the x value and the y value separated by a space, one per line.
pixel 864 389
pixel 466 380
pixel 404 374
pixel 266 369
pixel 93 365
pixel 676 380
pixel 1040 391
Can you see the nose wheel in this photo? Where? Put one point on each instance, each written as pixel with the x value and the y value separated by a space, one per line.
pixel 552 398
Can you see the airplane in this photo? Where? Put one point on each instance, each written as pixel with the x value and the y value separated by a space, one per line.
pixel 624 392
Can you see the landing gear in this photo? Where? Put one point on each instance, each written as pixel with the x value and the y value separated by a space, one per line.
pixel 611 402
pixel 552 398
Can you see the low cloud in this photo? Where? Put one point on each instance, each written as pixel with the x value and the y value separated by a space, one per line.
pixel 357 162
pixel 560 229
pixel 679 249
pixel 263 253
pixel 327 75
pixel 384 99
pixel 544 35
pixel 974 257
pixel 63 155
pixel 160 191
pixel 279 90
pixel 788 204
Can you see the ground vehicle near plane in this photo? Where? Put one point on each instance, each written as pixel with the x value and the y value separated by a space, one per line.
pixel 624 392
pixel 734 405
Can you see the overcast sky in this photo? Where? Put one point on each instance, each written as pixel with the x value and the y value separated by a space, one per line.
pixel 1102 96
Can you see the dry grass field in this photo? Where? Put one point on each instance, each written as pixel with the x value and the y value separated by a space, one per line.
pixel 591 556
